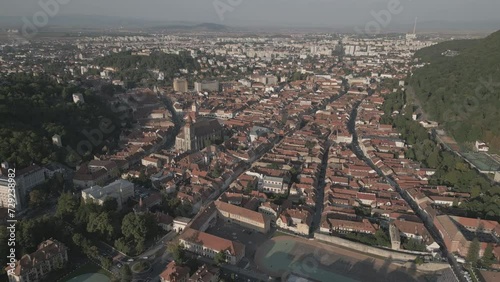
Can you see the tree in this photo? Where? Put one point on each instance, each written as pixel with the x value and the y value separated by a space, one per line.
pixel 37 198
pixel 126 273
pixel 177 251
pixel 414 245
pixel 473 254
pixel 419 260
pixel 110 205
pixel 382 238
pixel 67 206
pixel 122 245
pixel 106 262
pixel 139 226
pixel 220 258
pixel 273 166
pixel 488 257
pixel 101 224
pixel 78 239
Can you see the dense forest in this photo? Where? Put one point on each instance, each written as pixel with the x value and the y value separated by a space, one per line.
pixel 451 170
pixel 463 92
pixel 34 108
pixel 133 68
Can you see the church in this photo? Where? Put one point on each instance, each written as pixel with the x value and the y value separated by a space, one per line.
pixel 198 133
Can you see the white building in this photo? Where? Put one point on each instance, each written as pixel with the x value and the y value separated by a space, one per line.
pixel 274 185
pixel 78 97
pixel 121 190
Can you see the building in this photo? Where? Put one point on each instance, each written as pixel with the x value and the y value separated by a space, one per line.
pixel 244 217
pixel 56 140
pixel 205 274
pixel 8 197
pixel 78 98
pixel 197 135
pixel 208 245
pixel 274 185
pixel 50 255
pixel 26 179
pixel 481 146
pixel 206 86
pixel 297 220
pixel 174 273
pixel 344 226
pixel 395 237
pixel 180 223
pixel 180 85
pixel 95 172
pixel 121 190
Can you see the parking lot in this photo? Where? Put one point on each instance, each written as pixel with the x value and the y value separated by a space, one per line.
pixel 250 238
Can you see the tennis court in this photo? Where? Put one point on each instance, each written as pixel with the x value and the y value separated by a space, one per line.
pixel 482 161
pixel 90 277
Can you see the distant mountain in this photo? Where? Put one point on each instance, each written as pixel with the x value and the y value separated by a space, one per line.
pixel 194 27
pixel 93 21
pixel 463 91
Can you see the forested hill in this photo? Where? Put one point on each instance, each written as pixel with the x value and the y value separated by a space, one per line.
pixel 463 92
pixel 34 108
pixel 134 67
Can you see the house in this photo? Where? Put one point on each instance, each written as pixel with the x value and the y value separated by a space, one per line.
pixel 208 245
pixel 49 256
pixel 151 161
pixel 174 273
pixel 297 220
pixel 413 230
pixel 481 147
pixel 164 221
pixel 95 172
pixel 242 216
pixel 341 225
pixel 180 223
pixel 205 274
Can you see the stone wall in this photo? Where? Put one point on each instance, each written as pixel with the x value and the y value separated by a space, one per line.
pixel 365 248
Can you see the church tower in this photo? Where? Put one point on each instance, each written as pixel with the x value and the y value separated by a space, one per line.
pixel 188 133
pixel 194 108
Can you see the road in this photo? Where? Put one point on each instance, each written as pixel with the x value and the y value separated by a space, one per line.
pixel 427 222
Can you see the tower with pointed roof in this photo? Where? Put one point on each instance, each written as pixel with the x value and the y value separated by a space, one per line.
pixel 188 132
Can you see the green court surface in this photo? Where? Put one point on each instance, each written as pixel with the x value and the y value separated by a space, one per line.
pixel 288 256
pixel 90 277
pixel 482 161
pixel 88 272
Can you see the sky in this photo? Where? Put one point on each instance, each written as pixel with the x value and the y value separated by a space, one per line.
pixel 307 13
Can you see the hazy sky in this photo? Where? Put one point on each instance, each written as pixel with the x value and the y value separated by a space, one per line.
pixel 269 12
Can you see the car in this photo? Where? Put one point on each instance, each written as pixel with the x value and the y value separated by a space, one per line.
pixel 130 260
pixel 144 257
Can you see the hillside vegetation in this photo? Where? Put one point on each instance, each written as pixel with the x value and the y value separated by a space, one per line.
pixel 463 92
pixel 34 108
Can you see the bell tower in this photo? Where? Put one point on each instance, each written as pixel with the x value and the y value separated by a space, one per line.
pixel 188 133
